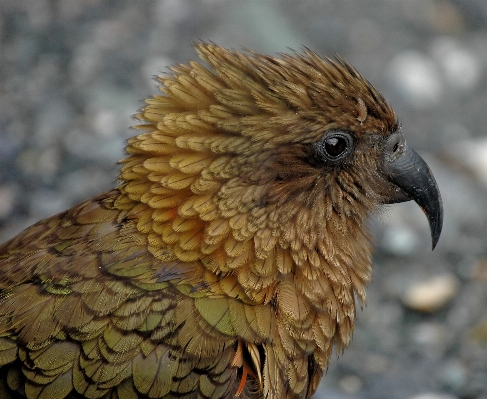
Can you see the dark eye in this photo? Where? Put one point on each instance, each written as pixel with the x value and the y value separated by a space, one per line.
pixel 335 145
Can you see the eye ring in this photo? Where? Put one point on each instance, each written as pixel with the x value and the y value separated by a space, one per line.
pixel 335 145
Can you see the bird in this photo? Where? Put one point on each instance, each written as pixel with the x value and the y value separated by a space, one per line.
pixel 231 257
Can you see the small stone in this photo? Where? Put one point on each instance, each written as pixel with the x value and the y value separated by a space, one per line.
pixel 433 294
pixel 428 334
pixel 351 384
pixel 472 155
pixel 400 240
pixel 377 364
pixel 461 67
pixel 453 376
pixel 7 198
pixel 416 78
pixel 105 122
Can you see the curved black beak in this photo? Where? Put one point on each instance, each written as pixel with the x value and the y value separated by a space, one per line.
pixel 414 181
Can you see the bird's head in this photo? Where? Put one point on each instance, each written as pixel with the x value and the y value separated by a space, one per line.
pixel 255 155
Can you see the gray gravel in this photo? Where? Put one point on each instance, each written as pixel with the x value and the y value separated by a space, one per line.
pixel 73 72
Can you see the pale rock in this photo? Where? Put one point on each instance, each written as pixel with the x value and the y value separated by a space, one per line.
pixel 433 294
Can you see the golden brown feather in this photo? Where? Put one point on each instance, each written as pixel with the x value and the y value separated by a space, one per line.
pixel 227 262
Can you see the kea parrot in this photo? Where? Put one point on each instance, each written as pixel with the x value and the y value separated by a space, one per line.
pixel 232 255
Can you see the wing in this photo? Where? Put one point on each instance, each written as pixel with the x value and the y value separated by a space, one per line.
pixel 87 311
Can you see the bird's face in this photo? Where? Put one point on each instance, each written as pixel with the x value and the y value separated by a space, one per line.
pixel 382 169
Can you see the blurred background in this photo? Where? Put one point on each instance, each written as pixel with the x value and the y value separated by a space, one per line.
pixel 73 72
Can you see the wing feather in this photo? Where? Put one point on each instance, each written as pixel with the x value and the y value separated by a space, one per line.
pixel 87 310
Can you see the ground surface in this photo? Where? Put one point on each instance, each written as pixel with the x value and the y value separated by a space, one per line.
pixel 73 72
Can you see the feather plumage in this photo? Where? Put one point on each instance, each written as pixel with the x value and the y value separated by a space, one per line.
pixel 227 262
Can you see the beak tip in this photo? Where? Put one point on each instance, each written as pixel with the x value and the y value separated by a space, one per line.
pixel 436 225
